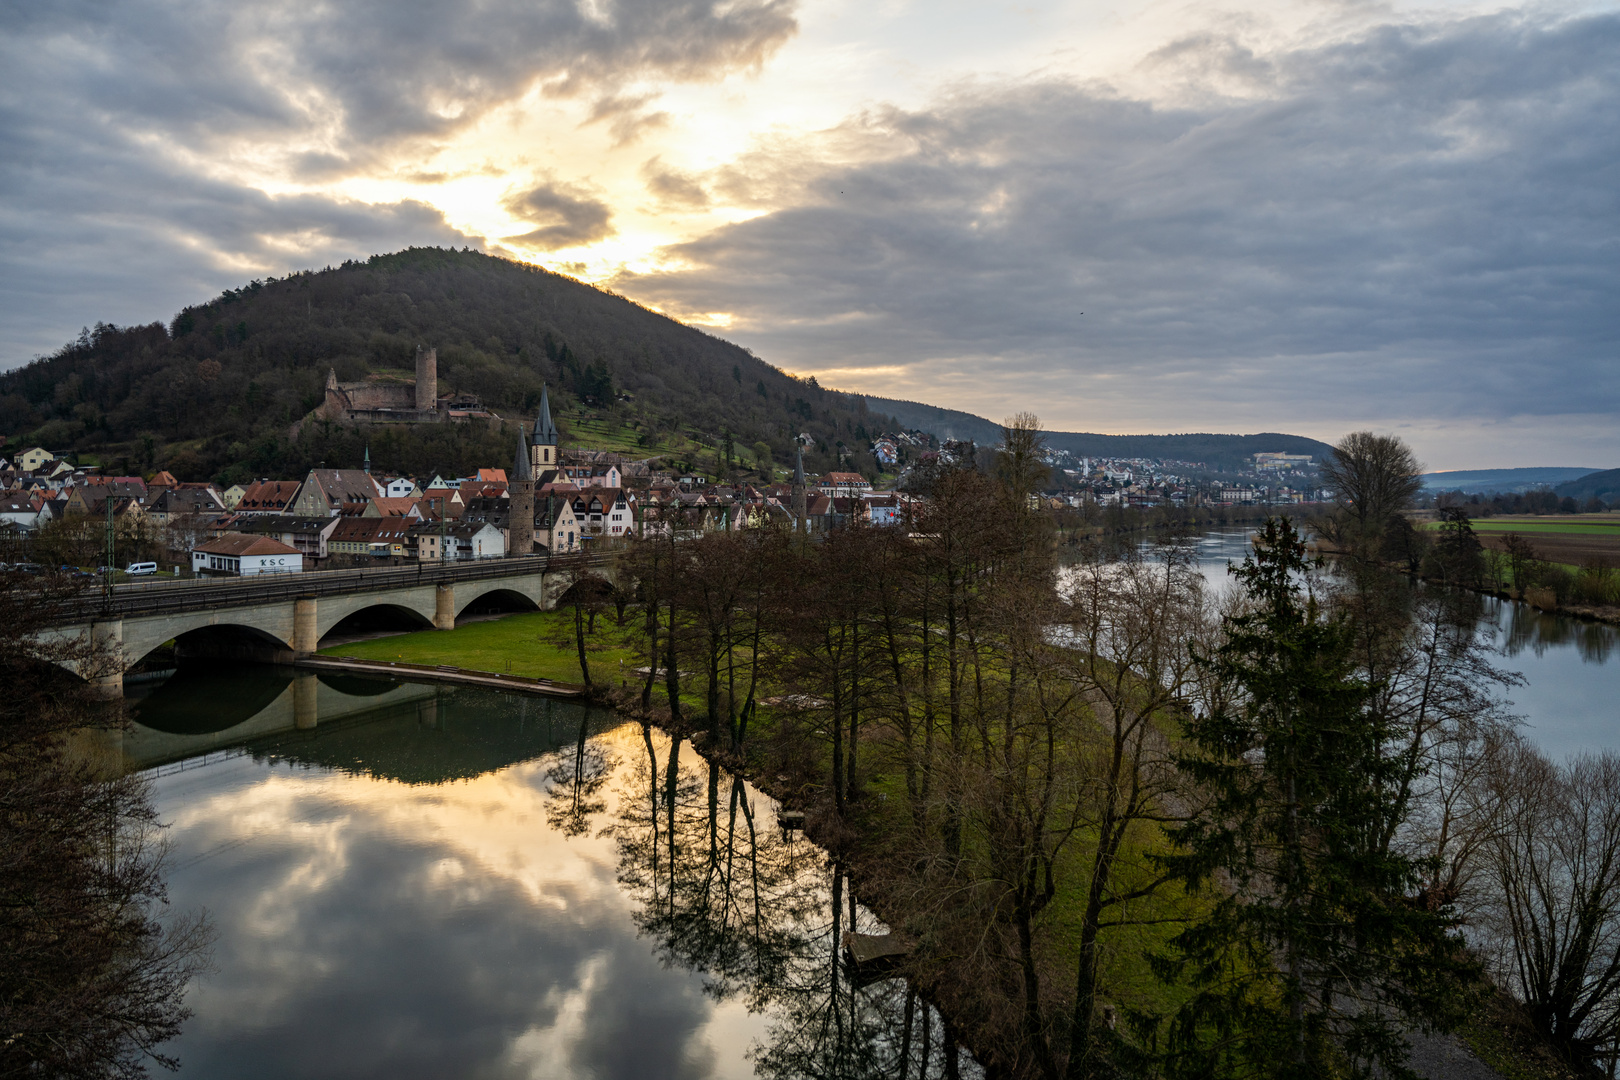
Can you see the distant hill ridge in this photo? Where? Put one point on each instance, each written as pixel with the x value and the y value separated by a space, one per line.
pixel 1599 485
pixel 1505 481
pixel 1215 450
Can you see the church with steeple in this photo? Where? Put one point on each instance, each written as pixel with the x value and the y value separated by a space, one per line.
pixel 543 443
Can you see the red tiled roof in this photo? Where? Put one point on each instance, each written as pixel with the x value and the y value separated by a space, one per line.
pixel 269 495
pixel 239 544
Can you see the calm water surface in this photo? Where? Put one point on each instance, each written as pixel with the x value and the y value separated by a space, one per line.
pixel 436 882
pixel 1570 700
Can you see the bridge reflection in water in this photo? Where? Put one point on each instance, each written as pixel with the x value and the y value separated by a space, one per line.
pixel 412 732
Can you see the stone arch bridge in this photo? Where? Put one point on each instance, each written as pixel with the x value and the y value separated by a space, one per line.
pixel 279 618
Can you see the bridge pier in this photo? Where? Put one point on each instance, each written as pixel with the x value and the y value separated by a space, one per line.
pixel 305 685
pixel 306 637
pixel 444 607
pixel 108 636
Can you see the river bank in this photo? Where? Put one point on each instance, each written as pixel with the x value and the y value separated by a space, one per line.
pixel 1541 598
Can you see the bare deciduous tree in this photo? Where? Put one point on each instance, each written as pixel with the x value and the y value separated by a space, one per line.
pixel 1551 909
pixel 1373 478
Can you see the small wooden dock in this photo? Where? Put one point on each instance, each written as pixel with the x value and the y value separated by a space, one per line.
pixel 874 957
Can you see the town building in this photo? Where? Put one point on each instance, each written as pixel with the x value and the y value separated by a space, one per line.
pixel 267 497
pixel 325 491
pixel 555 527
pixel 377 538
pixel 474 540
pixel 30 460
pixel 306 535
pixel 245 555
pixel 844 483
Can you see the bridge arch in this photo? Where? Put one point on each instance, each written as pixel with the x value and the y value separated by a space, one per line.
pixel 410 607
pixel 266 634
pixel 496 598
pixel 383 616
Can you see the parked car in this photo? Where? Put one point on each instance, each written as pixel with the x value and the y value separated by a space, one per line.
pixel 138 568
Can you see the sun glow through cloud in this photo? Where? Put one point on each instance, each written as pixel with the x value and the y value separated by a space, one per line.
pixel 908 198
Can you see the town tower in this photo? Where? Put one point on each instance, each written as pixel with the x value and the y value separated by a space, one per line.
pixel 427 378
pixel 520 504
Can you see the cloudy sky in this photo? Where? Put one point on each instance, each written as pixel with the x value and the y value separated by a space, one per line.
pixel 1132 216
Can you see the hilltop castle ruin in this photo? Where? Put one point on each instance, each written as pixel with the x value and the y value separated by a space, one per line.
pixel 380 400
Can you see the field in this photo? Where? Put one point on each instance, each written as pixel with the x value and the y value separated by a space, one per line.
pixel 1574 525
pixel 1573 540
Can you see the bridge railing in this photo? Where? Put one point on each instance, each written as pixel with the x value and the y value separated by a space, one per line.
pixel 202 594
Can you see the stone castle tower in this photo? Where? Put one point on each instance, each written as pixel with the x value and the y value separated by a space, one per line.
pixel 520 492
pixel 427 378
pixel 543 448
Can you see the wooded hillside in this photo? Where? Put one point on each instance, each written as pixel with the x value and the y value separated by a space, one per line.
pixel 217 392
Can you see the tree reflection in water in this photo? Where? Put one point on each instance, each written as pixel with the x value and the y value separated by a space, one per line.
pixel 577 779
pixel 760 912
pixel 1530 630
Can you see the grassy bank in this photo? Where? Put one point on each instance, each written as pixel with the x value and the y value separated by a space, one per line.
pixel 538 644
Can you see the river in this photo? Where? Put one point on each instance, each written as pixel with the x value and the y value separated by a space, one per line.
pixel 428 881
pixel 1570 698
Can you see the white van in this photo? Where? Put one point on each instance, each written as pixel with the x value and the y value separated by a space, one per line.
pixel 136 568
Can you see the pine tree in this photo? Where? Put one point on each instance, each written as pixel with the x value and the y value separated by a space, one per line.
pixel 1312 957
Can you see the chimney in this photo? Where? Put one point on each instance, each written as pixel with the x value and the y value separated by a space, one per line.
pixel 427 378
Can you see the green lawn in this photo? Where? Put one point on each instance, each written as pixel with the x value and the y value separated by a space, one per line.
pixel 538 644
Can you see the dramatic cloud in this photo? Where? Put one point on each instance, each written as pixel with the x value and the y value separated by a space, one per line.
pixel 567 216
pixel 351 76
pixel 1421 223
pixel 672 187
pixel 138 140
pixel 1285 216
pixel 100 229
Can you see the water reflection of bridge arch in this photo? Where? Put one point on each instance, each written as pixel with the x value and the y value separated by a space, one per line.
pixel 299 715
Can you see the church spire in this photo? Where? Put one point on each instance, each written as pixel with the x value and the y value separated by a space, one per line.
pixel 368 459
pixel 545 432
pixel 543 449
pixel 520 465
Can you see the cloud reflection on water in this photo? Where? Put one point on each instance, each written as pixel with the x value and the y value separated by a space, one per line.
pixel 374 928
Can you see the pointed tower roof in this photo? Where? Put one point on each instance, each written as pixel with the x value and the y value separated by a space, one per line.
pixel 368 459
pixel 520 464
pixel 545 432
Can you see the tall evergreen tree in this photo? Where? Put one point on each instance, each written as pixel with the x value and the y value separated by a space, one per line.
pixel 1312 957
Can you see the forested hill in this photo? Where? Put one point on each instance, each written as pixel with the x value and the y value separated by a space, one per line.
pixel 215 393
pixel 1216 451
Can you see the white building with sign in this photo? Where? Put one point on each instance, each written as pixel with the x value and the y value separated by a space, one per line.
pixel 239 554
